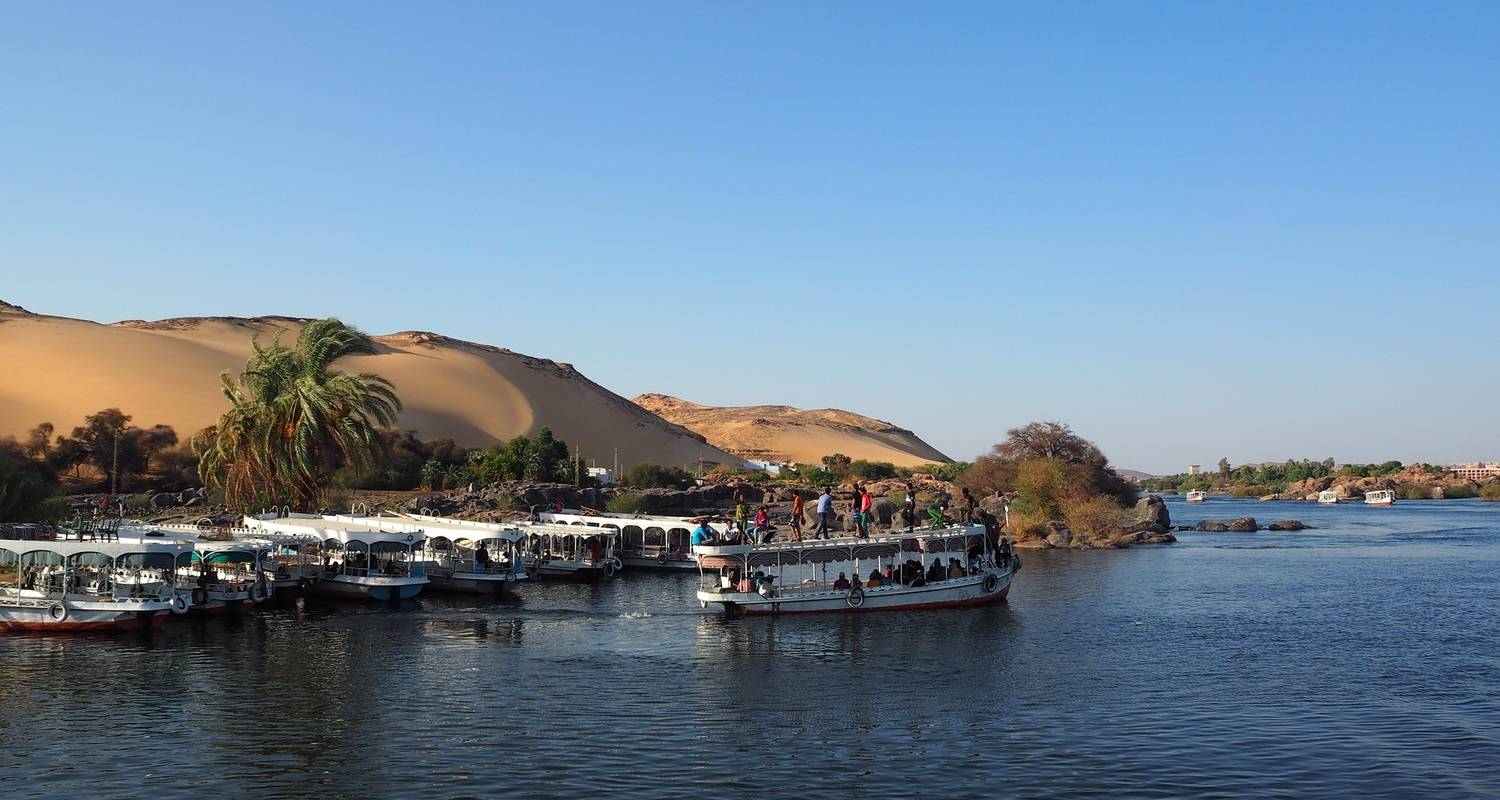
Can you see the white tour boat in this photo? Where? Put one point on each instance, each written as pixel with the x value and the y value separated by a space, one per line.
pixel 569 552
pixel 1197 496
pixel 224 577
pixel 358 561
pixel 462 555
pixel 1330 497
pixel 89 583
pixel 646 541
pixel 1380 497
pixel 787 577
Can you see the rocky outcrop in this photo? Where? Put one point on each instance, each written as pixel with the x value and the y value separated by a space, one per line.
pixel 1287 525
pixel 1211 526
pixel 1243 525
pixel 1152 512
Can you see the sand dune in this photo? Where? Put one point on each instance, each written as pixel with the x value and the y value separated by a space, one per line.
pixel 784 433
pixel 54 369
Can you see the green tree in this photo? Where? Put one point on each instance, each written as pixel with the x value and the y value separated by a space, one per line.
pixel 28 488
pixel 293 420
pixel 1224 468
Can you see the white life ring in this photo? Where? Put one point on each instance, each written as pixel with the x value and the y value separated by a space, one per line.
pixel 855 598
pixel 58 612
pixel 610 569
pixel 991 583
pixel 258 593
pixel 179 605
pixel 661 558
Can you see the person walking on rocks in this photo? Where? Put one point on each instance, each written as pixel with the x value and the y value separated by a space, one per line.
pixel 797 512
pixel 866 505
pixel 825 513
pixel 967 503
pixel 909 509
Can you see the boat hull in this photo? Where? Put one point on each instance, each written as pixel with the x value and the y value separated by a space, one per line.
pixel 474 583
pixel 19 619
pixel 954 593
pixel 379 590
pixel 649 564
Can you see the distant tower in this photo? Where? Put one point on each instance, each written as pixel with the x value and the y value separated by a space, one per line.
pixel 1193 469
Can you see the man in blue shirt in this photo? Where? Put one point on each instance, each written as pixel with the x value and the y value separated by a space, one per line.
pixel 703 534
pixel 825 513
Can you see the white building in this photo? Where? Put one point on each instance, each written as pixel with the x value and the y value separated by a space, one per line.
pixel 602 475
pixel 767 466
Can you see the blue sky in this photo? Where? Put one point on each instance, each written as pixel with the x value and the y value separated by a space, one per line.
pixel 1190 230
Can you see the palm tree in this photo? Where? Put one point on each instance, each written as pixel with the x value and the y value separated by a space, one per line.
pixel 293 420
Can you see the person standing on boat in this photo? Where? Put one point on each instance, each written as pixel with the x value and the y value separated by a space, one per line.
pixel 966 504
pixel 797 511
pixel 741 510
pixel 825 512
pixel 482 558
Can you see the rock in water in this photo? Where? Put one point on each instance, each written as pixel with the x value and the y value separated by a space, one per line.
pixel 1243 525
pixel 1287 525
pixel 1211 526
pixel 1153 511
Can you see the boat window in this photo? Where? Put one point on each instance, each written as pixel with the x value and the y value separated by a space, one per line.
pixel 184 560
pixel 10 566
pixel 41 558
pixel 656 537
pixel 145 561
pixel 333 544
pixel 677 538
pixel 576 522
pixel 230 557
pixel 439 543
pixel 634 537
pixel 94 560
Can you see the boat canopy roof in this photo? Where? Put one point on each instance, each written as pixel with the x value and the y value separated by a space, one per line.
pixel 572 517
pixel 113 549
pixel 443 527
pixel 558 529
pixel 333 529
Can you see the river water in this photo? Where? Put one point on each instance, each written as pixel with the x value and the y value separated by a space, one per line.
pixel 1360 658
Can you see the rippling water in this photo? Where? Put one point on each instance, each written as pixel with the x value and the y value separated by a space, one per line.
pixel 1359 658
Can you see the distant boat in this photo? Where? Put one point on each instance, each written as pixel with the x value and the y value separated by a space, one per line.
pixel 1329 496
pixel 1197 496
pixel 1380 497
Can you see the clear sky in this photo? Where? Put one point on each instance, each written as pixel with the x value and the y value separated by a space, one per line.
pixel 1190 230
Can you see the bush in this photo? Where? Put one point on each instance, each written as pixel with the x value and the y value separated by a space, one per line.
pixel 626 503
pixel 28 489
pixel 951 471
pixel 871 470
pixel 1257 490
pixel 1416 492
pixel 655 476
pixel 1460 492
pixel 1097 517
pixel 1491 493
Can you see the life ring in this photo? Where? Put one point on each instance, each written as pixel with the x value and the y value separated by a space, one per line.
pixel 1015 563
pixel 179 605
pixel 58 612
pixel 855 598
pixel 661 558
pixel 200 596
pixel 258 593
pixel 610 569
pixel 991 583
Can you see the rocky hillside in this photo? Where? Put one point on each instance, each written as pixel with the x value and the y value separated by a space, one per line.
pixel 167 372
pixel 1352 487
pixel 784 433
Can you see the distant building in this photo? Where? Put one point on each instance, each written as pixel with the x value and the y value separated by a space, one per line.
pixel 1193 469
pixel 767 466
pixel 602 475
pixel 1477 471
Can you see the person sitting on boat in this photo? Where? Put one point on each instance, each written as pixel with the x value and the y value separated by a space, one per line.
pixel 889 579
pixel 936 571
pixel 482 559
pixel 955 569
pixel 875 580
pixel 1005 550
pixel 704 534
pixel 842 584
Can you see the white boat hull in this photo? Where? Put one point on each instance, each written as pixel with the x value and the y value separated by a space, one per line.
pixel 81 615
pixel 353 587
pixel 474 582
pixel 990 587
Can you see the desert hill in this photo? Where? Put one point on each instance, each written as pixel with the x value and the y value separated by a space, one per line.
pixel 55 369
pixel 784 433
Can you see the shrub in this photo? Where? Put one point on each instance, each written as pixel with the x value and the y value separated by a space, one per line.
pixel 1256 490
pixel 1097 517
pixel 626 503
pixel 951 471
pixel 1416 492
pixel 871 470
pixel 1490 492
pixel 1460 492
pixel 655 476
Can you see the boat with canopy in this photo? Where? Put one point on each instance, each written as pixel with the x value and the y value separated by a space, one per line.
pixel 84 581
pixel 358 561
pixel 646 541
pixel 569 552
pixel 461 555
pixel 955 565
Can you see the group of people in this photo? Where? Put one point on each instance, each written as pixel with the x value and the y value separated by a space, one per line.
pixel 759 530
pixel 910 573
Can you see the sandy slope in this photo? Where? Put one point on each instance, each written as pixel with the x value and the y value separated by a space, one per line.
pixel 792 434
pixel 58 370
